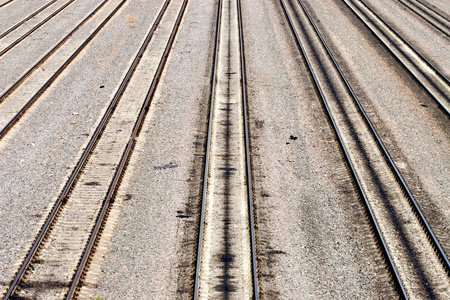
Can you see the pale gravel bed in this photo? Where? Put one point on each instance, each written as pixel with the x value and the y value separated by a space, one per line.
pixel 150 238
pixel 313 239
pixel 39 153
pixel 414 130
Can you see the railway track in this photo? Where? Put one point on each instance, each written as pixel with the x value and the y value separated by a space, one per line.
pixel 416 260
pixel 14 102
pixel 62 249
pixel 7 43
pixel 8 31
pixel 226 255
pixel 430 15
pixel 431 79
pixel 47 55
pixel 5 3
pixel 57 263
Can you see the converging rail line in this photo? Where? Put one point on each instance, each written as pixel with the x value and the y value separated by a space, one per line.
pixel 416 260
pixel 9 102
pixel 26 19
pixel 428 14
pixel 434 9
pixel 5 3
pixel 104 160
pixel 427 75
pixel 25 35
pixel 226 255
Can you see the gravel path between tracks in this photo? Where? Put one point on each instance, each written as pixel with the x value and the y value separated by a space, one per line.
pixel 39 153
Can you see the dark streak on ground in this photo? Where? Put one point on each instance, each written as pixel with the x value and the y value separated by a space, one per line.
pixel 187 248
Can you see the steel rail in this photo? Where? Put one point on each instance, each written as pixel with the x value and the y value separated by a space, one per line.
pixel 89 148
pixel 7 2
pixel 413 203
pixel 208 147
pixel 433 10
pixel 354 175
pixel 425 18
pixel 247 153
pixel 439 74
pixel 15 85
pixel 13 44
pixel 26 19
pixel 125 158
pixel 442 76
pixel 55 75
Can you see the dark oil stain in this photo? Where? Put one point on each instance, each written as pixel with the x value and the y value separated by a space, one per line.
pixel 274 252
pixel 43 286
pixel 170 165
pixel 128 197
pixel 293 137
pixel 259 124
pixel 226 258
pixel 182 216
pixel 264 194
pixel 92 183
pixel 187 249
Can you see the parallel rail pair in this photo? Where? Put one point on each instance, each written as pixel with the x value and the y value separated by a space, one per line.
pixel 243 119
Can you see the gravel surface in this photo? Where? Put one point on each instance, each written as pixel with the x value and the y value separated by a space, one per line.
pixel 313 238
pixel 40 75
pixel 92 186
